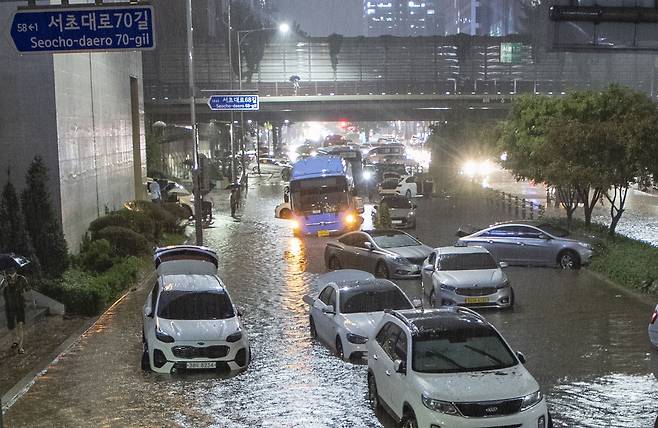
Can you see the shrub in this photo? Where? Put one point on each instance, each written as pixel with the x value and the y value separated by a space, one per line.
pixel 164 220
pixel 137 221
pixel 383 218
pixel 176 210
pixel 96 256
pixel 124 241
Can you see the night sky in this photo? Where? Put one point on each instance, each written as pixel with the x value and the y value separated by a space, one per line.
pixel 323 17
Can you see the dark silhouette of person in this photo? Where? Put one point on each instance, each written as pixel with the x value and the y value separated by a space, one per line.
pixel 14 287
pixel 233 201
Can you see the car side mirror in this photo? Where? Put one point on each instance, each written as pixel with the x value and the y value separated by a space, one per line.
pixel 148 312
pixel 544 236
pixel 503 265
pixel 417 303
pixel 329 310
pixel 237 310
pixel 521 357
pixel 368 246
pixel 428 268
pixel 400 366
pixel 308 299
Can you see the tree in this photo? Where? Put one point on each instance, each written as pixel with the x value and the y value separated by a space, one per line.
pixel 13 236
pixel 383 217
pixel 335 43
pixel 42 224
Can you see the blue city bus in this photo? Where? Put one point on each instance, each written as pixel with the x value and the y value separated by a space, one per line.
pixel 322 197
pixel 351 155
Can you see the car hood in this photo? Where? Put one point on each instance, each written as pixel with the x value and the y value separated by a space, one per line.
pixel 471 278
pixel 182 330
pixel 415 252
pixel 363 324
pixel 512 382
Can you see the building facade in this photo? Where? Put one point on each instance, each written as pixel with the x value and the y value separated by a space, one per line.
pixel 401 18
pixel 83 114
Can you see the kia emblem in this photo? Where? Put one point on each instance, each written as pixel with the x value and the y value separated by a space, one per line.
pixel 492 409
pixel 200 343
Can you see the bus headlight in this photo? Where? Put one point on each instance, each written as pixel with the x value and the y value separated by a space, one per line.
pixel 350 219
pixel 295 225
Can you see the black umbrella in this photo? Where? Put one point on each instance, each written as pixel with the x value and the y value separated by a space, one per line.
pixel 9 261
pixel 232 186
pixel 294 78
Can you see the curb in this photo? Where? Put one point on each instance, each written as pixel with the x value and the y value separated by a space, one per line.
pixel 24 385
pixel 630 292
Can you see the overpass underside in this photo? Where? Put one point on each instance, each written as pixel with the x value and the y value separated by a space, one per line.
pixel 333 108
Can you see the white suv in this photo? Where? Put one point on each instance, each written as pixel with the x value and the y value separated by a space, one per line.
pixel 449 367
pixel 189 320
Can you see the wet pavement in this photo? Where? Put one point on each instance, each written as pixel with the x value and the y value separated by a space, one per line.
pixel 585 341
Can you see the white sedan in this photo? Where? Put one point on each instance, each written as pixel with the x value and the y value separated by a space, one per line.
pixel 405 186
pixel 346 312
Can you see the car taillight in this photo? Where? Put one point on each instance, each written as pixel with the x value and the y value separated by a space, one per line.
pixel 653 317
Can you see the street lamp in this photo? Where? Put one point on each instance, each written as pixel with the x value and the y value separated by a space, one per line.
pixel 283 28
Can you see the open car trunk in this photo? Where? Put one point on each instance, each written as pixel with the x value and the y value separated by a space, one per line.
pixel 185 259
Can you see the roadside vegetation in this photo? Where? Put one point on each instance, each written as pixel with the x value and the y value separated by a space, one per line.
pixel 114 255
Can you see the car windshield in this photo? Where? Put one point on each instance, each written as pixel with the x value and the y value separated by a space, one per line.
pixel 319 195
pixel 554 230
pixel 472 348
pixel 358 301
pixel 194 305
pixel 392 240
pixel 397 202
pixel 466 261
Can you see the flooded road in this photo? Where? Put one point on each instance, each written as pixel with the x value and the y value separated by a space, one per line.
pixel 585 342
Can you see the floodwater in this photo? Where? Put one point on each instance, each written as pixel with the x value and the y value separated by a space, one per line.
pixel 585 342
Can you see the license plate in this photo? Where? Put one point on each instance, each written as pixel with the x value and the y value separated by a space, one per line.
pixel 323 233
pixel 396 222
pixel 201 365
pixel 477 300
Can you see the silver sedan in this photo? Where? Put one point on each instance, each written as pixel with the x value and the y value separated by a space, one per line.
pixel 386 253
pixel 530 243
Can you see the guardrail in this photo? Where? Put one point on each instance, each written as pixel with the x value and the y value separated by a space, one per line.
pixel 173 91
pixel 521 207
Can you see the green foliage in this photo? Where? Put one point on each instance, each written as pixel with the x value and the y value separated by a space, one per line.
pixel 96 256
pixel 87 294
pixel 175 210
pixel 164 220
pixel 13 235
pixel 123 241
pixel 41 222
pixel 383 217
pixel 137 221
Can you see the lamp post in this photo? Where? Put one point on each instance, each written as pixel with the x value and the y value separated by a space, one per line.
pixel 283 29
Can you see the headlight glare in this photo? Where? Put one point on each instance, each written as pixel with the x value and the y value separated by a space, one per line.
pixel 440 406
pixel 531 399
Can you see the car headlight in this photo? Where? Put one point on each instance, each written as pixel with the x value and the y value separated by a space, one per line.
pixel 350 219
pixel 586 245
pixel 234 337
pixel 162 336
pixel 531 400
pixel 440 406
pixel 411 214
pixel 504 284
pixel 447 287
pixel 355 338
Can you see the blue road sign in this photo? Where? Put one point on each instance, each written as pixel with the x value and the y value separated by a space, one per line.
pixel 83 29
pixel 234 102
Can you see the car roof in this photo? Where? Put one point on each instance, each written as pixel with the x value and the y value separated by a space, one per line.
pixel 461 250
pixel 518 223
pixel 427 321
pixel 341 275
pixel 191 282
pixel 383 232
pixel 376 284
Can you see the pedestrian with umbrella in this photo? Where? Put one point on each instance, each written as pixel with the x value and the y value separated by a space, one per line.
pixel 14 287
pixel 234 197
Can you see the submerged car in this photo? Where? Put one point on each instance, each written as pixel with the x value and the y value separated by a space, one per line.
pixel 401 210
pixel 346 312
pixel 449 367
pixel 189 319
pixel 530 243
pixel 387 253
pixel 466 276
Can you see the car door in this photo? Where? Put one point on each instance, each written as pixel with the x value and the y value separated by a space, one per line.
pixel 152 299
pixel 532 247
pixel 500 241
pixel 397 380
pixel 426 275
pixel 323 321
pixel 361 254
pixel 379 356
pixel 386 361
pixel 346 255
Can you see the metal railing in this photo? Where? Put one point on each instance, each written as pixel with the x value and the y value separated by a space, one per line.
pixel 520 207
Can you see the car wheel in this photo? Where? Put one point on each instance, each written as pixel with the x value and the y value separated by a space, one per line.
pixel 568 260
pixel 433 299
pixel 339 348
pixel 550 421
pixel 381 270
pixel 146 364
pixel 373 395
pixel 312 330
pixel 409 420
pixel 334 263
pixel 408 194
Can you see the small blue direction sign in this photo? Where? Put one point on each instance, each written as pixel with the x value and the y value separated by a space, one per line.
pixel 234 102
pixel 83 29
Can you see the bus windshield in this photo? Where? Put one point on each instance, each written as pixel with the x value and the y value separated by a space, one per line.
pixel 319 195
